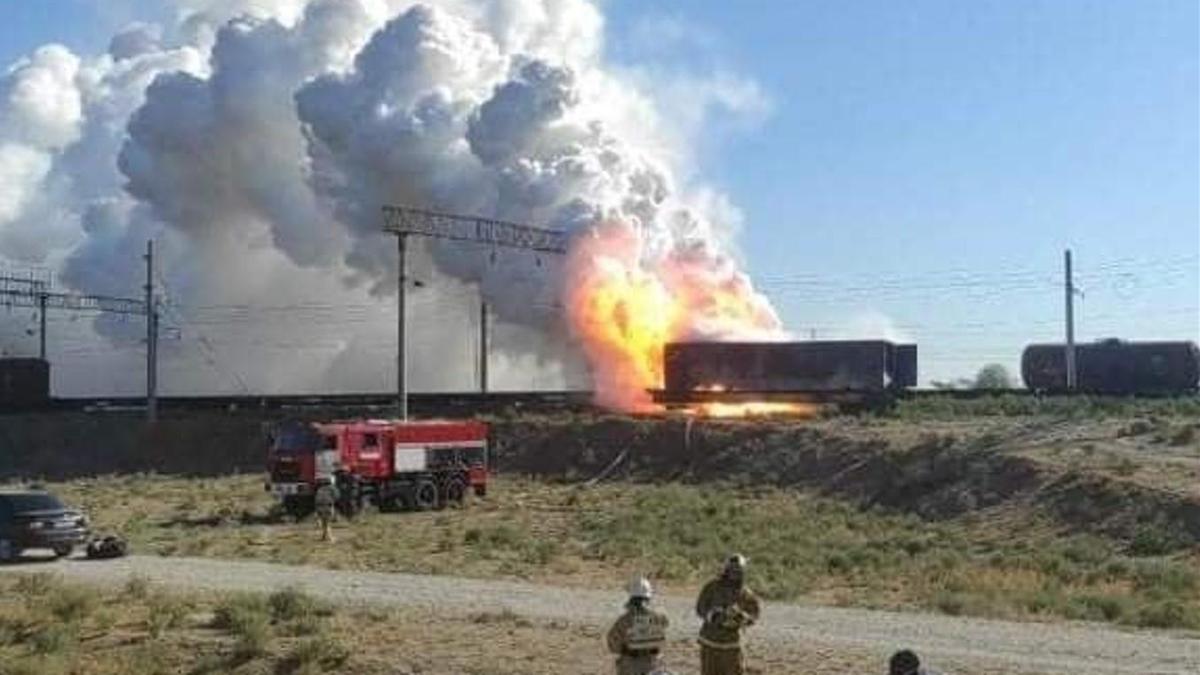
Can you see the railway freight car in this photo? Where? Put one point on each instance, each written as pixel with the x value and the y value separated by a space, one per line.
pixel 841 370
pixel 1115 367
pixel 24 383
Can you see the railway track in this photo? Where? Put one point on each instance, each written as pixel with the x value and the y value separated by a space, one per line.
pixel 467 403
pixel 418 402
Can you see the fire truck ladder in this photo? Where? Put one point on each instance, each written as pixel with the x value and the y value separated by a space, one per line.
pixel 405 221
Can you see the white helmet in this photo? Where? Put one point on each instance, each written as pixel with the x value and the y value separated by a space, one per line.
pixel 736 561
pixel 640 588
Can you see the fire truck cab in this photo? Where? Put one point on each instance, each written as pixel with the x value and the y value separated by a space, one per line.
pixel 396 465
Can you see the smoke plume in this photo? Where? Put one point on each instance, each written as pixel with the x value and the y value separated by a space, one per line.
pixel 256 140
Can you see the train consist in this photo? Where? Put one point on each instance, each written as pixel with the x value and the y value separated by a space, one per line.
pixel 841 371
pixel 837 371
pixel 1114 367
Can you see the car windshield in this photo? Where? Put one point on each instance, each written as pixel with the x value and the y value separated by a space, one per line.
pixel 295 439
pixel 34 502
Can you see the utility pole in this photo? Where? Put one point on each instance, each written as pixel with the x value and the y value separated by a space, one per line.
pixel 151 339
pixel 1069 288
pixel 404 221
pixel 483 346
pixel 42 325
pixel 401 332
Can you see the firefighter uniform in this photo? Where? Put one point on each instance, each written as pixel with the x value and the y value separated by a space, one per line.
pixel 326 503
pixel 639 635
pixel 726 607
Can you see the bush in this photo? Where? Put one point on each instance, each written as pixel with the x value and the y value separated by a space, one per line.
pixel 248 618
pixel 1168 614
pixel 36 585
pixel 1164 579
pixel 253 635
pixel 73 604
pixel 1098 608
pixel 164 613
pixel 289 604
pixel 1152 540
pixel 55 638
pixel 235 610
pixel 137 588
pixel 320 653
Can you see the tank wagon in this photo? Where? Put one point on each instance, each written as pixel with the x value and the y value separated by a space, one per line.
pixel 828 370
pixel 1115 367
pixel 24 383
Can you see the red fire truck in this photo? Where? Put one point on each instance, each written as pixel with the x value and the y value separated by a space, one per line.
pixel 396 465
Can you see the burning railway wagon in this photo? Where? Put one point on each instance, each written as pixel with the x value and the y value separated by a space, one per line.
pixel 1115 367
pixel 841 371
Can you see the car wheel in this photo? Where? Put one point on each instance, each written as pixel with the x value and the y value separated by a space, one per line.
pixel 63 551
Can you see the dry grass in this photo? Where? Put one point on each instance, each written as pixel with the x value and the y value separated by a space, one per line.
pixel 363 642
pixel 997 563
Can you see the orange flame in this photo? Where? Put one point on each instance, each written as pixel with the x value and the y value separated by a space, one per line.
pixel 625 308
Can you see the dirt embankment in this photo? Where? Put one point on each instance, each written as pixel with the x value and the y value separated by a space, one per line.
pixel 936 471
pixel 936 474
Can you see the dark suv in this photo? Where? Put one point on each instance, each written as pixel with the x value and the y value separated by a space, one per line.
pixel 38 520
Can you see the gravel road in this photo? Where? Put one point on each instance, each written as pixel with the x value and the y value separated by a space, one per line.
pixel 1061 649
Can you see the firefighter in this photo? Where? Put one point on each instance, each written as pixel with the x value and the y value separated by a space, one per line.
pixel 726 607
pixel 326 499
pixel 639 634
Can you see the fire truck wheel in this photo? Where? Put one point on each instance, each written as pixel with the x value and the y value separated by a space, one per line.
pixel 425 495
pixel 456 490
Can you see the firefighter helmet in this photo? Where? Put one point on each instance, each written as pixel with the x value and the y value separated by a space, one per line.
pixel 640 587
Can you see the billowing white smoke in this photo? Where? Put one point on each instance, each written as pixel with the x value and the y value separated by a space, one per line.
pixel 256 140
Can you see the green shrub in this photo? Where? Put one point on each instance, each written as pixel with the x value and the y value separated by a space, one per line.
pixel 55 639
pixel 1154 540
pixel 36 585
pixel 248 618
pixel 316 654
pixel 290 603
pixel 235 610
pixel 253 636
pixel 137 588
pixel 1098 608
pixel 1168 614
pixel 1164 579
pixel 164 613
pixel 72 604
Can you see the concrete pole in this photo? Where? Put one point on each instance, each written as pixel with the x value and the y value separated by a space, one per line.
pixel 401 330
pixel 483 346
pixel 42 326
pixel 151 338
pixel 1072 375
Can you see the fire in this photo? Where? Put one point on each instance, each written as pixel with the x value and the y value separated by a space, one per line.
pixel 625 306
pixel 749 409
pixel 754 409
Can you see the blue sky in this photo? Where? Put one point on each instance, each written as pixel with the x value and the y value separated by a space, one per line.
pixel 924 162
pixel 929 160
